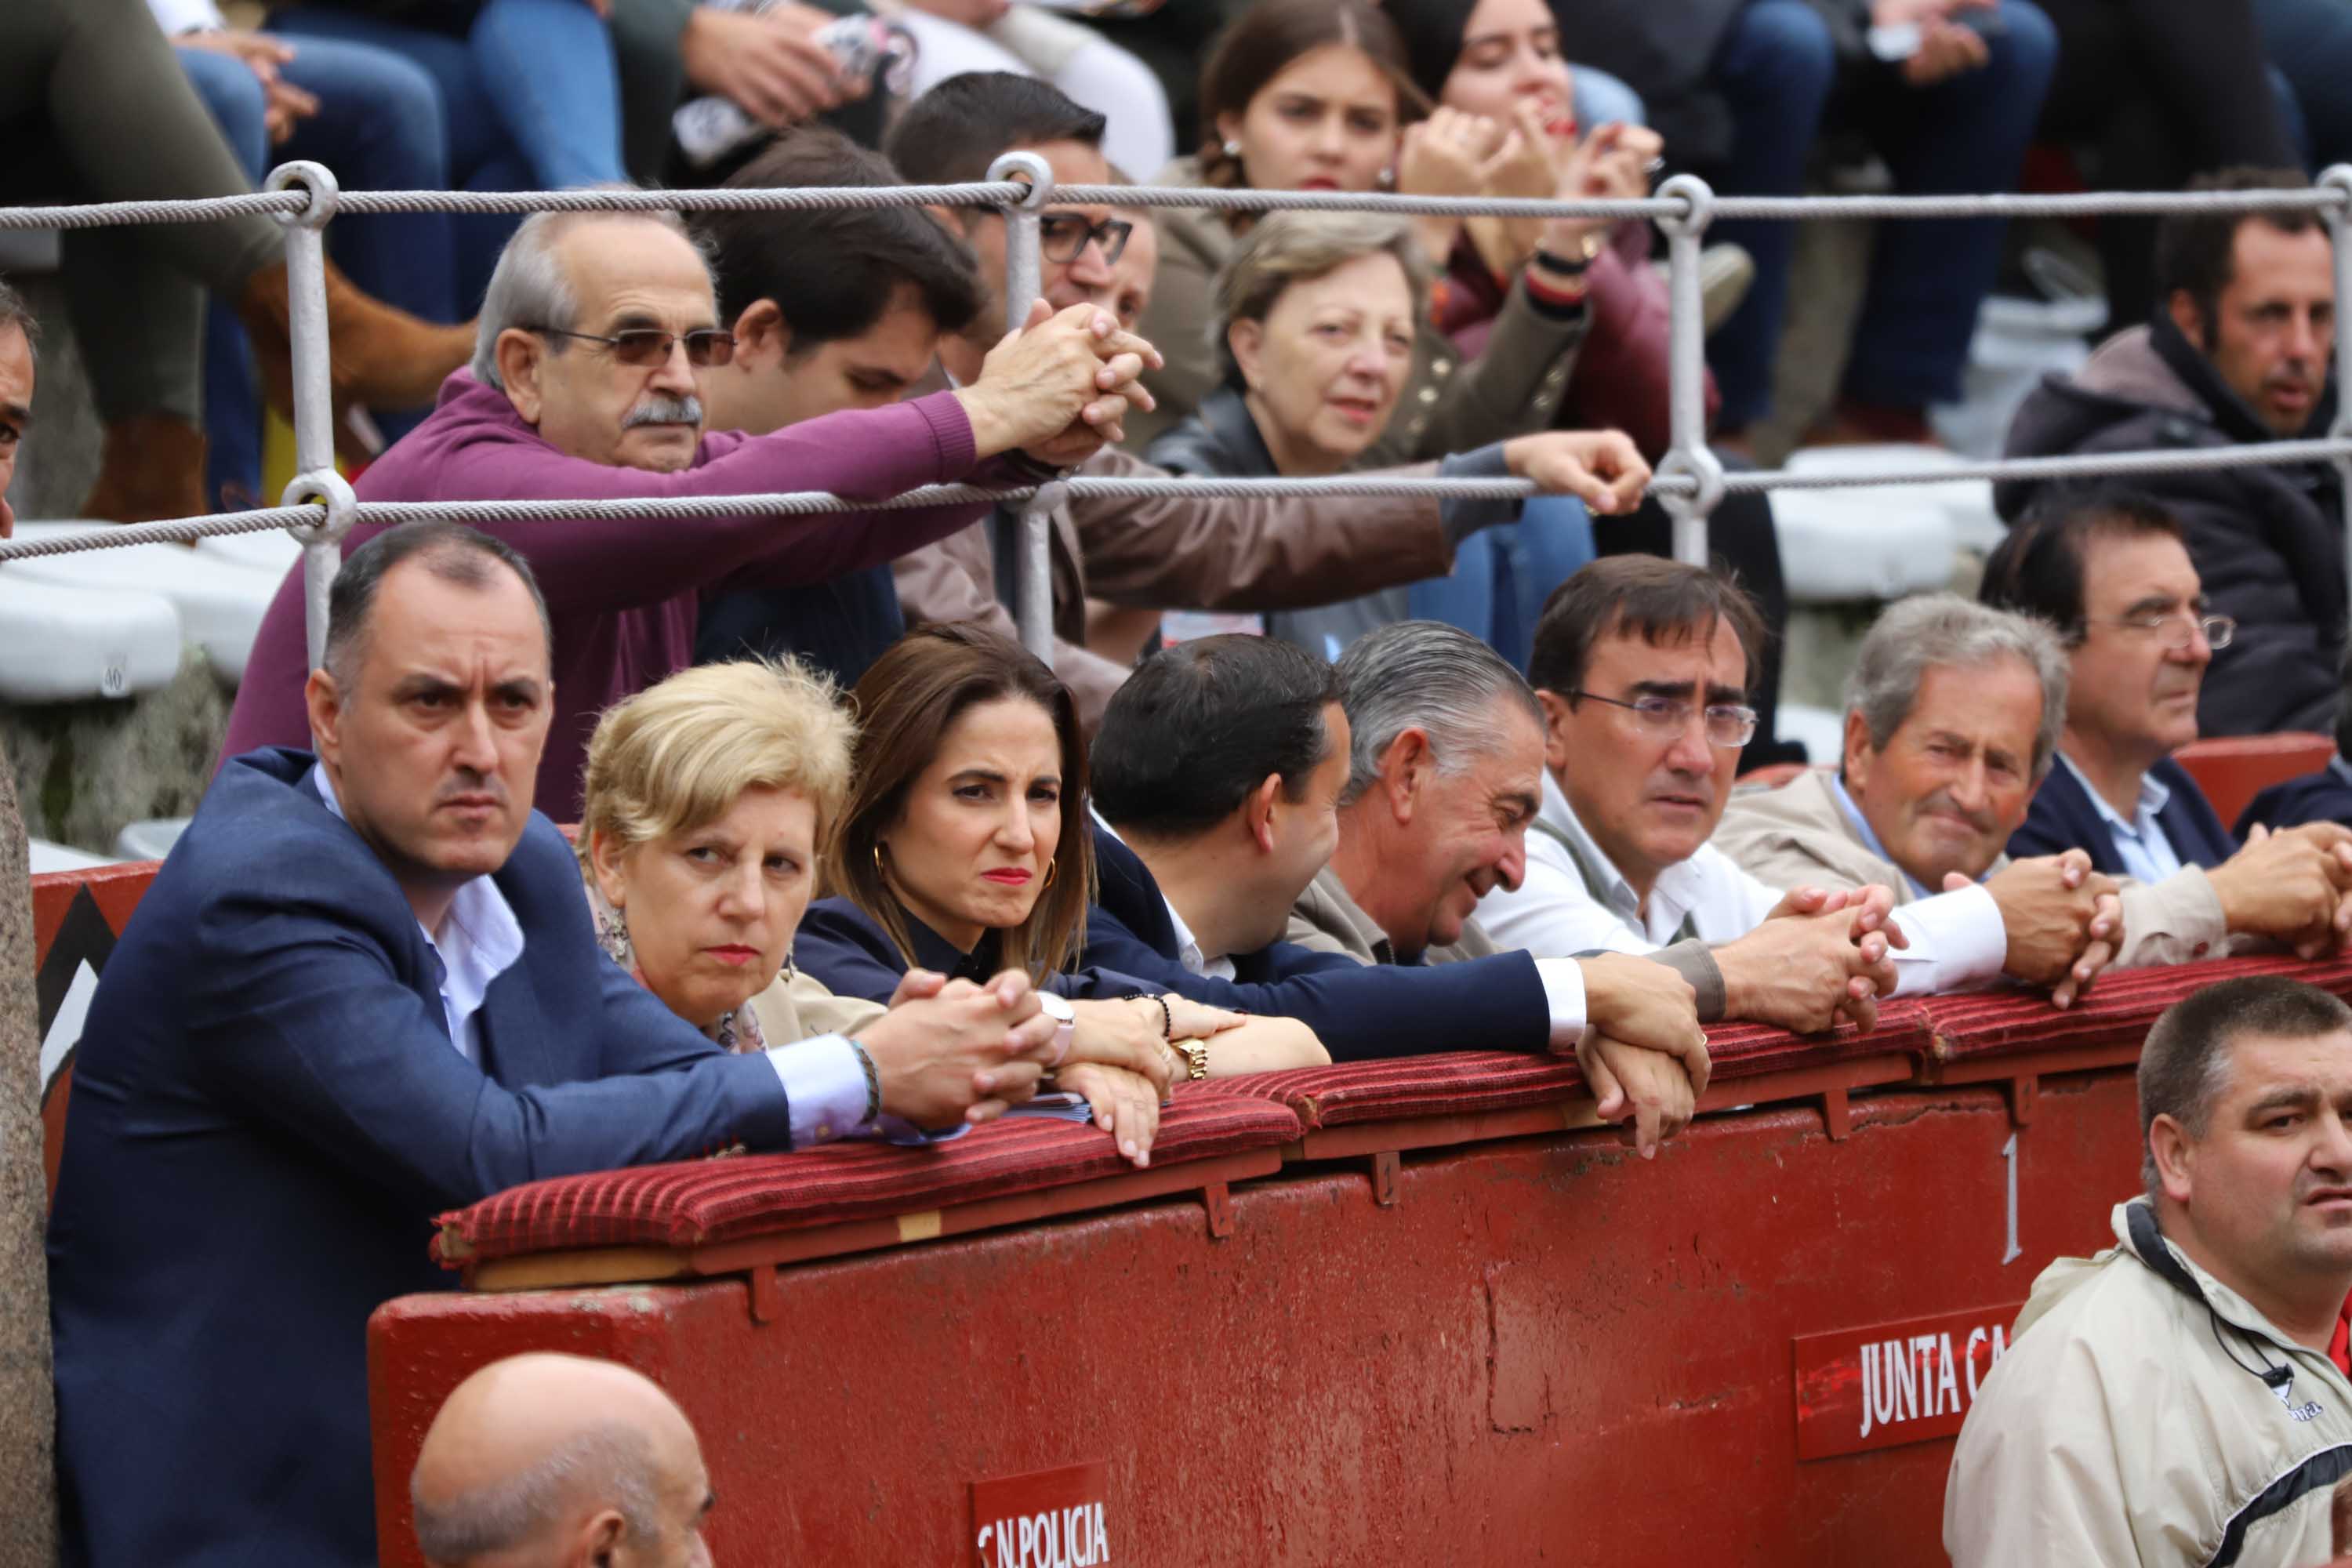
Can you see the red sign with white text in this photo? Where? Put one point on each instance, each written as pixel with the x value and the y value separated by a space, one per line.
pixel 1054 1518
pixel 1893 1384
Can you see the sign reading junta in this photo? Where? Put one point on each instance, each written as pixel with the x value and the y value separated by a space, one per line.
pixel 1053 1519
pixel 1892 1384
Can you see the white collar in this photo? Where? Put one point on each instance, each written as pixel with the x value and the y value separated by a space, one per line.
pixel 1680 888
pixel 2155 795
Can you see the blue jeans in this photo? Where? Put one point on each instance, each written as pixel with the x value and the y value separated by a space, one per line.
pixel 2310 45
pixel 1777 69
pixel 1503 575
pixel 379 127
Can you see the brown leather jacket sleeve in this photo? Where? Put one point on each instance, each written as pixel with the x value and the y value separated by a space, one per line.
pixel 954 581
pixel 1175 553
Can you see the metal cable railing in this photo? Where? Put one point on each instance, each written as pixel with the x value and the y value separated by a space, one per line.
pixel 320 508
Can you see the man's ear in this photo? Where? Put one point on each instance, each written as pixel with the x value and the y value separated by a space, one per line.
pixel 596 1543
pixel 2175 1157
pixel 1405 769
pixel 1246 339
pixel 1554 712
pixel 761 337
pixel 1857 758
pixel 520 356
pixel 1257 812
pixel 2186 316
pixel 324 703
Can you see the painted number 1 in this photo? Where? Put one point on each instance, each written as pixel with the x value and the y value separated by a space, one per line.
pixel 2009 1158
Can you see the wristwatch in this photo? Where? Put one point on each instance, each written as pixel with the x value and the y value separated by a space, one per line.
pixel 1066 1022
pixel 1196 1058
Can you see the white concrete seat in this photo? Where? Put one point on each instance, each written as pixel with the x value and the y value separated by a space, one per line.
pixel 62 644
pixel 151 839
pixel 1823 731
pixel 49 856
pixel 219 599
pixel 273 554
pixel 1880 542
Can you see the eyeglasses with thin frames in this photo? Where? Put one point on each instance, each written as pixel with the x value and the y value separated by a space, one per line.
pixel 2176 626
pixel 647 348
pixel 1063 236
pixel 1728 724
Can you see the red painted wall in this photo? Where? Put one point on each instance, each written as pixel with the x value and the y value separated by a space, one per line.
pixel 1546 1351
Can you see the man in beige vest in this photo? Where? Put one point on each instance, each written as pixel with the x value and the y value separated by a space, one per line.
pixel 1953 715
pixel 1445 778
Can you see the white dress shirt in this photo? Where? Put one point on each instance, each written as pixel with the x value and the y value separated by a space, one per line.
pixel 2142 844
pixel 479 940
pixel 1573 900
pixel 177 16
pixel 1563 982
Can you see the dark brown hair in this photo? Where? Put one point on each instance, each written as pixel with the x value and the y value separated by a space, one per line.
pixel 2184 1064
pixel 908 701
pixel 2196 252
pixel 1657 600
pixel 1262 42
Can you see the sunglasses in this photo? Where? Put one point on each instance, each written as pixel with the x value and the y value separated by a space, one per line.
pixel 647 348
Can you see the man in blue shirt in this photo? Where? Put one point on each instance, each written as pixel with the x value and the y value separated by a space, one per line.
pixel 2110 571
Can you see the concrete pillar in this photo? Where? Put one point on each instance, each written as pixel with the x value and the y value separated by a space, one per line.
pixel 28 1490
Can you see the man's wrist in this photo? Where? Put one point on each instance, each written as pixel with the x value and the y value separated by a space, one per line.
pixel 992 432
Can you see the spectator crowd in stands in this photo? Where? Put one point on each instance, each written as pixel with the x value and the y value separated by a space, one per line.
pixel 852 863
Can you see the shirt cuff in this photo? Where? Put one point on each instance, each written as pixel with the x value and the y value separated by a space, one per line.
pixel 824 1086
pixel 1563 983
pixel 1957 942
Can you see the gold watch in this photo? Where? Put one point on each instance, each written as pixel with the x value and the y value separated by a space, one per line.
pixel 1196 1058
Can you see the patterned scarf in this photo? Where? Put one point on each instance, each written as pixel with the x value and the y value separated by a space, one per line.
pixel 733 1031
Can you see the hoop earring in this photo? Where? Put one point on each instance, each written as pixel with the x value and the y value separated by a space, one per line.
pixel 1052 866
pixel 878 870
pixel 1232 149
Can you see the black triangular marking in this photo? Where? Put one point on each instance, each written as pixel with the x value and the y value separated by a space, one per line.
pixel 83 937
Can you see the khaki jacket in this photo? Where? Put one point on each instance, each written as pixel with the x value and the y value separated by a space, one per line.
pixel 797 1006
pixel 1328 919
pixel 1798 835
pixel 1255 555
pixel 1450 404
pixel 2130 1422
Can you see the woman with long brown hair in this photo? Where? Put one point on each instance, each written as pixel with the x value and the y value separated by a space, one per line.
pixel 966 847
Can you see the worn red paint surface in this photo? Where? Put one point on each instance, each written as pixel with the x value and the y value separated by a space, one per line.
pixel 1545 1351
pixel 1890 1383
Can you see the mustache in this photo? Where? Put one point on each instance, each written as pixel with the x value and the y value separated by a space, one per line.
pixel 1942 800
pixel 664 408
pixel 470 784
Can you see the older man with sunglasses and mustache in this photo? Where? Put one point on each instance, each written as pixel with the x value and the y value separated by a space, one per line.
pixel 586 385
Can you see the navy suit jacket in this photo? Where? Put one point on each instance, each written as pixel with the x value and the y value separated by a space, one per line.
pixel 267 1115
pixel 2062 817
pixel 2322 797
pixel 1382 1010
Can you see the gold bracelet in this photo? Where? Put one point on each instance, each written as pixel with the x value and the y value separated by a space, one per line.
pixel 1196 1058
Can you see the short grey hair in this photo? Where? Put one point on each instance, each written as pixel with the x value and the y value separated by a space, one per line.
pixel 1939 630
pixel 14 312
pixel 610 1464
pixel 1287 247
pixel 1425 675
pixel 528 287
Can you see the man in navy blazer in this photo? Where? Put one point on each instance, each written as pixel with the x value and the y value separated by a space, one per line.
pixel 363 989
pixel 2110 571
pixel 1217 774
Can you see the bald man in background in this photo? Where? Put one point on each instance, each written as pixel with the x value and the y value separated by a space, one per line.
pixel 561 1461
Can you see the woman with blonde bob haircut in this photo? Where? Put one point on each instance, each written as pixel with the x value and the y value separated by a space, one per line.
pixel 966 846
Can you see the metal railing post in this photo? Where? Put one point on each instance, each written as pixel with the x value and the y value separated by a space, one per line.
pixel 1687 453
pixel 2338 178
pixel 314 402
pixel 1025 538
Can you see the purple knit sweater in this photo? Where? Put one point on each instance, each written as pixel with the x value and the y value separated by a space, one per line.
pixel 623 594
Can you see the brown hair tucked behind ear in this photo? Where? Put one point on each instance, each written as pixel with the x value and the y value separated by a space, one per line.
pixel 1262 42
pixel 909 698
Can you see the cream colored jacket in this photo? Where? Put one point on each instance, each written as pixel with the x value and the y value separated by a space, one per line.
pixel 2130 1424
pixel 797 1006
pixel 1798 835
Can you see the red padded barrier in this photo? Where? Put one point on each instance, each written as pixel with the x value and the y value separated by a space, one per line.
pixel 2233 768
pixel 705 1202
pixel 2119 1007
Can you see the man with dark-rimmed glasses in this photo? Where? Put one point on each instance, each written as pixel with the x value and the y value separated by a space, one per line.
pixel 2109 568
pixel 1641 666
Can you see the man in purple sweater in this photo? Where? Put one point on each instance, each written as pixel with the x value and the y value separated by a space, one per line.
pixel 586 385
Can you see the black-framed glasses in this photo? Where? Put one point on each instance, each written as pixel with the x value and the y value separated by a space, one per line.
pixel 2176 628
pixel 647 348
pixel 1063 235
pixel 1727 723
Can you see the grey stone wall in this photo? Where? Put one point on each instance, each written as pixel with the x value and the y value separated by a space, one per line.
pixel 28 1498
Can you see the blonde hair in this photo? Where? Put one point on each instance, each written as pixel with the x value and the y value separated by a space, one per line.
pixel 677 755
pixel 1295 246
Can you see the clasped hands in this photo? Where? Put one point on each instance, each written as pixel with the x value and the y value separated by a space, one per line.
pixel 1059 385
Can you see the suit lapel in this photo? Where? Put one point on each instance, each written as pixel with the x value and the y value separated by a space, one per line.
pixel 514 1032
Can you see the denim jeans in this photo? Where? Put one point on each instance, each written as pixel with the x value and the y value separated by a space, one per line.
pixel 1503 575
pixel 1777 69
pixel 379 127
pixel 2310 45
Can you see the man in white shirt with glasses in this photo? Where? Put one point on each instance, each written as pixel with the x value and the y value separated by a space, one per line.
pixel 1642 667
